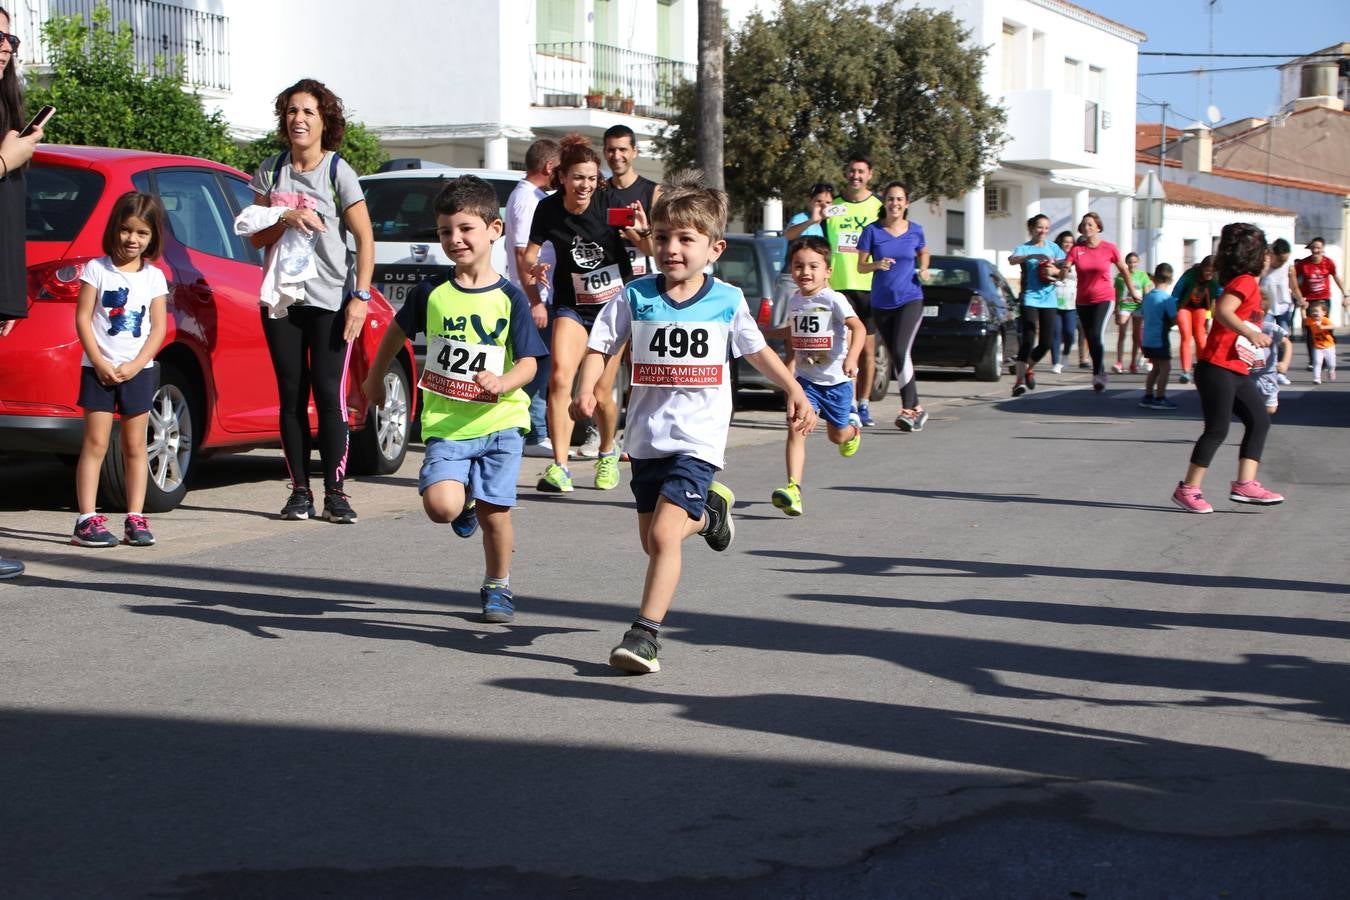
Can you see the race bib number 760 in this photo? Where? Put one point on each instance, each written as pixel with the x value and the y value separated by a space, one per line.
pixel 679 354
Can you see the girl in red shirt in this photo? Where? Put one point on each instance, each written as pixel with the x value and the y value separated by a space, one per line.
pixel 1235 344
pixel 1094 258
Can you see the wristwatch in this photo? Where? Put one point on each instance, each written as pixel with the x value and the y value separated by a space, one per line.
pixel 361 295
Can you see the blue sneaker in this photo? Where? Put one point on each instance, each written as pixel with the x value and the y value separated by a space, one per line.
pixel 466 523
pixel 498 604
pixel 1163 403
pixel 865 415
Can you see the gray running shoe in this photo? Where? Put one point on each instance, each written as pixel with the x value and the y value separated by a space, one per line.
pixel 636 653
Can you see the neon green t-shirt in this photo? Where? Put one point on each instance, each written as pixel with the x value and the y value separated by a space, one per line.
pixel 842 232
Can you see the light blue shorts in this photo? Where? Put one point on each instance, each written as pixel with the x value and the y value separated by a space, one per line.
pixel 833 401
pixel 487 466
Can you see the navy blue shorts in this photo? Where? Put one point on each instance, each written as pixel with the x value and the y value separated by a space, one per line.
pixel 683 480
pixel 1163 354
pixel 861 301
pixel 586 320
pixel 130 398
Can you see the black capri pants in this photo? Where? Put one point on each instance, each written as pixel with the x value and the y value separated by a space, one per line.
pixel 1038 327
pixel 1224 393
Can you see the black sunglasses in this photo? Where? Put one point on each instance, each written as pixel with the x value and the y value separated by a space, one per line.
pixel 13 40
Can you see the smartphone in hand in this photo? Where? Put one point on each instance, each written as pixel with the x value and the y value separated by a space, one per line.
pixel 38 121
pixel 623 216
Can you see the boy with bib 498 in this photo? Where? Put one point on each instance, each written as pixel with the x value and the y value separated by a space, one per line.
pixel 481 350
pixel 684 327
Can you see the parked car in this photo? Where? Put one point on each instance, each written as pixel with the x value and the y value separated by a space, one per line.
pixel 969 317
pixel 216 389
pixel 757 264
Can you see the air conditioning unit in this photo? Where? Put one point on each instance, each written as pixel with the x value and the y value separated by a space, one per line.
pixel 995 199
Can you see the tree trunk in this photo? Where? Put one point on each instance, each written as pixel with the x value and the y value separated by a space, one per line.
pixel 710 91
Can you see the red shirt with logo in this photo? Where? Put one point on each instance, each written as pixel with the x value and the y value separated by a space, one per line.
pixel 1314 277
pixel 1221 346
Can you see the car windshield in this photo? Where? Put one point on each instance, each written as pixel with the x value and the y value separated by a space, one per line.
pixel 952 273
pixel 401 209
pixel 59 201
pixel 777 248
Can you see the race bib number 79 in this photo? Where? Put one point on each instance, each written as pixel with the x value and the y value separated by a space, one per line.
pixel 451 366
pixel 679 354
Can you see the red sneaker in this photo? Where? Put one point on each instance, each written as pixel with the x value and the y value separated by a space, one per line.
pixel 1190 499
pixel 1252 492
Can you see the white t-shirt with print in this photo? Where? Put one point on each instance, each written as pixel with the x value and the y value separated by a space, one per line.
pixel 519 215
pixel 818 336
pixel 122 308
pixel 681 355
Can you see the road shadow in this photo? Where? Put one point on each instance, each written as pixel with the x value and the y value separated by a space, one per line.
pixel 987 497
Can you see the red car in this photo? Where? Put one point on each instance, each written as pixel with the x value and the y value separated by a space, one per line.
pixel 216 388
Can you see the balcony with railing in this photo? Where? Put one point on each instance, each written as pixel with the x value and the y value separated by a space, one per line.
pixel 1051 129
pixel 576 73
pixel 161 32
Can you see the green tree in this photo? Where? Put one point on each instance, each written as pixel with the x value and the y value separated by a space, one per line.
pixel 360 148
pixel 822 79
pixel 103 99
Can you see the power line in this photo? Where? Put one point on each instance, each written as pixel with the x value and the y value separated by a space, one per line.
pixel 1202 70
pixel 1241 55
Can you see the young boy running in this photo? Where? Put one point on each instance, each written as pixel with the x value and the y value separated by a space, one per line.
pixel 826 340
pixel 481 350
pixel 1159 312
pixel 684 327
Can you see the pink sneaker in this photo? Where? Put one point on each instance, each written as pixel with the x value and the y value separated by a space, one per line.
pixel 1190 499
pixel 1252 492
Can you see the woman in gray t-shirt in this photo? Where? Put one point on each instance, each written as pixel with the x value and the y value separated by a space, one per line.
pixel 310 344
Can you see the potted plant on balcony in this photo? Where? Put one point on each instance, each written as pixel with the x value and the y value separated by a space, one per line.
pixel 595 98
pixel 614 102
pixel 627 104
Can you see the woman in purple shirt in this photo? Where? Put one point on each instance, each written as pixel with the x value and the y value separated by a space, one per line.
pixel 893 247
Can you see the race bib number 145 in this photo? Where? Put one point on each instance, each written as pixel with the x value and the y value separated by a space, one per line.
pixel 679 354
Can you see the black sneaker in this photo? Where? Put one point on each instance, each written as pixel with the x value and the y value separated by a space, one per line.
pixel 337 508
pixel 1019 389
pixel 136 529
pixel 720 530
pixel 636 653
pixel 300 505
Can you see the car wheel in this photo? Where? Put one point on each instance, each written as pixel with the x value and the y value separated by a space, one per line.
pixel 380 446
pixel 881 378
pixel 990 366
pixel 170 446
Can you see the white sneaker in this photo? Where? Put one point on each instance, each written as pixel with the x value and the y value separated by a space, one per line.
pixel 1282 378
pixel 1057 368
pixel 591 448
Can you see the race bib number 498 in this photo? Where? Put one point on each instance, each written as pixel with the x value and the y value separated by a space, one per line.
pixel 679 354
pixel 451 366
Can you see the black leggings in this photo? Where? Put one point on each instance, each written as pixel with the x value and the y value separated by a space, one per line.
pixel 1092 318
pixel 1224 392
pixel 1038 325
pixel 897 327
pixel 308 353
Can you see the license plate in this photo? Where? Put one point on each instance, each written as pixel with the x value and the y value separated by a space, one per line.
pixel 930 312
pixel 396 293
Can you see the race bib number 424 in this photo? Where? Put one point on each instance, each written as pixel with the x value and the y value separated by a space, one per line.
pixel 451 366
pixel 679 354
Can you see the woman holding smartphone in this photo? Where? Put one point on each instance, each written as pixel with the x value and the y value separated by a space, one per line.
pixel 588 238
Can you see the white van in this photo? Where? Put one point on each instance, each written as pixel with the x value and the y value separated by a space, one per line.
pixel 404 221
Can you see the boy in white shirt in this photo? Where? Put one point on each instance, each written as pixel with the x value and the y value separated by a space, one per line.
pixel 826 339
pixel 684 327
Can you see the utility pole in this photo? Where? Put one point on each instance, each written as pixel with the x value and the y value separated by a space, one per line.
pixel 710 92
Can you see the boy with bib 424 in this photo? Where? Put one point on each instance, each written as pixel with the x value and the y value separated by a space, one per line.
pixel 684 327
pixel 481 350
pixel 826 339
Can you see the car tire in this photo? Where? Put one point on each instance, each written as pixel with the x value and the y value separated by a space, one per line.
pixel 382 443
pixel 172 431
pixel 885 368
pixel 990 366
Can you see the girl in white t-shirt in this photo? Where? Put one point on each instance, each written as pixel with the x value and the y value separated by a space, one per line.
pixel 120 321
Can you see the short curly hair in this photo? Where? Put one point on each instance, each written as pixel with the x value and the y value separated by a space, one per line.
pixel 1242 251
pixel 330 109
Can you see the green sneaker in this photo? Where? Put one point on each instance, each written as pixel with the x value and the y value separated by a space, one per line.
pixel 850 446
pixel 636 653
pixel 607 471
pixel 556 480
pixel 789 499
pixel 720 530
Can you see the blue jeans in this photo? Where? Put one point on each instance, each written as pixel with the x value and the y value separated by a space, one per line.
pixel 537 389
pixel 1066 334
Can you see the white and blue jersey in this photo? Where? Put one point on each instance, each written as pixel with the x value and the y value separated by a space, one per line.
pixel 682 352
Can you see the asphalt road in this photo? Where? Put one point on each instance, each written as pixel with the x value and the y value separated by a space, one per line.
pixel 991 660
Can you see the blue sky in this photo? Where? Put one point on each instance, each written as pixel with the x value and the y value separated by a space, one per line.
pixel 1240 26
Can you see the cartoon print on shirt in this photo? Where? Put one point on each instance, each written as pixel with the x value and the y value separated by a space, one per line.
pixel 587 254
pixel 119 320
